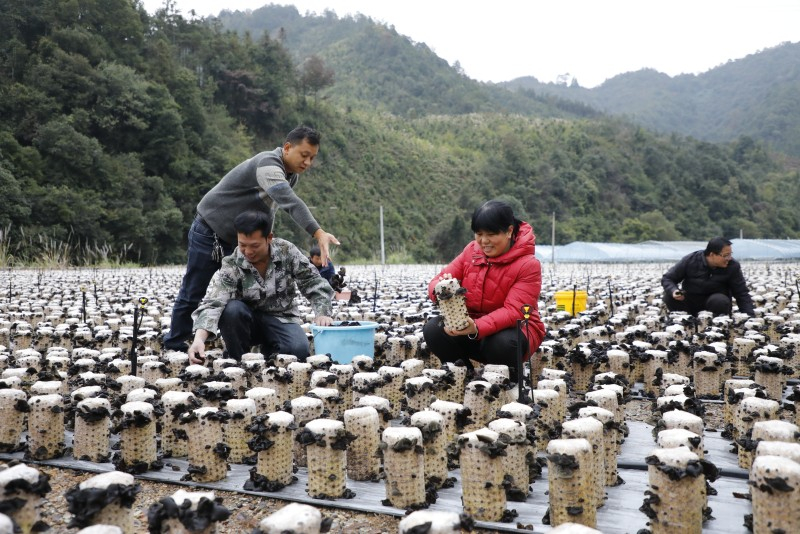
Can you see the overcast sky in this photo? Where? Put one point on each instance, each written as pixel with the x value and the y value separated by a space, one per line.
pixel 592 40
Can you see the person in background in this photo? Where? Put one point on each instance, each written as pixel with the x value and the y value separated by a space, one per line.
pixel 325 271
pixel 706 280
pixel 251 298
pixel 262 183
pixel 501 275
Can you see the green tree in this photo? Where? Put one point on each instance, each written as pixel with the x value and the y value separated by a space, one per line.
pixel 315 76
pixel 120 115
pixel 661 228
pixel 15 206
pixel 450 240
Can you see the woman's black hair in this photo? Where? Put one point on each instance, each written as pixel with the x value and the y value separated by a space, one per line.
pixel 494 216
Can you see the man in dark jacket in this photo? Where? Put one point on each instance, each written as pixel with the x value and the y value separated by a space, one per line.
pixel 708 279
pixel 325 271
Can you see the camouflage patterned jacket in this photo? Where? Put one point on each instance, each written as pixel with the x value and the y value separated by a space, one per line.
pixel 275 294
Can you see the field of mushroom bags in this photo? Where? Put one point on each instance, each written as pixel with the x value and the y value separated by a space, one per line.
pixel 395 431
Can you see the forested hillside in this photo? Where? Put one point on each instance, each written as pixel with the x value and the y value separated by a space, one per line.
pixel 375 68
pixel 605 180
pixel 757 96
pixel 113 123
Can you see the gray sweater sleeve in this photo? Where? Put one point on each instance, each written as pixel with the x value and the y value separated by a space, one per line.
pixel 273 182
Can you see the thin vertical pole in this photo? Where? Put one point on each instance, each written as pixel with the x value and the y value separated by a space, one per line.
pixel 83 300
pixel 134 342
pixel 553 241
pixel 383 248
pixel 138 315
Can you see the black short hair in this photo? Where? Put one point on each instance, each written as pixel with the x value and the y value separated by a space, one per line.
pixel 314 251
pixel 248 222
pixel 301 133
pixel 716 244
pixel 494 216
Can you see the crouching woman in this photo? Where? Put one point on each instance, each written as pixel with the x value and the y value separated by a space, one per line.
pixel 501 275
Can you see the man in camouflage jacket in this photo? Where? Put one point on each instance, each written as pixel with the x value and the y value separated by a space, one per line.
pixel 251 299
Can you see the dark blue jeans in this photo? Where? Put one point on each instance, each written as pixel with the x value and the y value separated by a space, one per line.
pixel 200 268
pixel 499 348
pixel 242 327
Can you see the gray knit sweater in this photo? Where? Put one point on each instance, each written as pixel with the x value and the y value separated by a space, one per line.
pixel 255 184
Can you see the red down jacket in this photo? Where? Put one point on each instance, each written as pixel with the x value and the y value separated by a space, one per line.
pixel 498 287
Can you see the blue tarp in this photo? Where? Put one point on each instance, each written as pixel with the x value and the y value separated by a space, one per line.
pixel 661 251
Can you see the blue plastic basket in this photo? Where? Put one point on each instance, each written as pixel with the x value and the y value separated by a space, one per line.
pixel 344 342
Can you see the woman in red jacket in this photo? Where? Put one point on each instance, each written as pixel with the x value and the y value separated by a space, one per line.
pixel 501 275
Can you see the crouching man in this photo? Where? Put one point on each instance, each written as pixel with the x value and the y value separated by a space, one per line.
pixel 250 300
pixel 708 279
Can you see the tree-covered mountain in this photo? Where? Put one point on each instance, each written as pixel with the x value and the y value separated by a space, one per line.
pixel 378 69
pixel 114 123
pixel 757 96
pixel 605 180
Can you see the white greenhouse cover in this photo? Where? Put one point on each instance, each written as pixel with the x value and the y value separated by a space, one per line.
pixel 661 251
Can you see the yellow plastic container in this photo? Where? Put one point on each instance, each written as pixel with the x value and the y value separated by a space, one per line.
pixel 565 301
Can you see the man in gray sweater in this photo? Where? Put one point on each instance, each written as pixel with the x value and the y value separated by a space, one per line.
pixel 262 183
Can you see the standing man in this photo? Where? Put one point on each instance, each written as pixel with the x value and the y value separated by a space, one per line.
pixel 326 271
pixel 708 279
pixel 251 298
pixel 262 183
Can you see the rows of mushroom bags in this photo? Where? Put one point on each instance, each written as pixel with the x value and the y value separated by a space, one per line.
pixel 687 365
pixel 400 419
